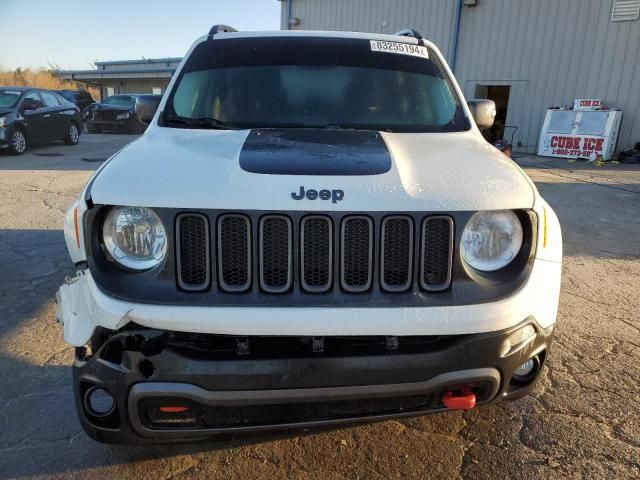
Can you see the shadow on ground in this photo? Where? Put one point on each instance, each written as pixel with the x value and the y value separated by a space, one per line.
pixel 596 220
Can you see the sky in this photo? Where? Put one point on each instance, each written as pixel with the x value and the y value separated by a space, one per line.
pixel 72 34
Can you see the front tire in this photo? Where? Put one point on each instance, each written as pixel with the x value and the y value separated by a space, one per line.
pixel 17 142
pixel 73 135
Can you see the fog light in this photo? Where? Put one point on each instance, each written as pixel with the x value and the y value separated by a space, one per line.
pixel 526 373
pixel 99 402
pixel 526 368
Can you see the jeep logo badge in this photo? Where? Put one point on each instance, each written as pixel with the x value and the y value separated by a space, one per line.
pixel 334 195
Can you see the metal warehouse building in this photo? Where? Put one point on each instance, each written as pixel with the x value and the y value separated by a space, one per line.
pixel 527 55
pixel 150 75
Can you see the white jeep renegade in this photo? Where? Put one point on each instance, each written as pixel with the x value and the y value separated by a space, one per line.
pixel 312 230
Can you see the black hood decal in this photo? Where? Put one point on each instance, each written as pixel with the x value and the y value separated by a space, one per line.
pixel 312 151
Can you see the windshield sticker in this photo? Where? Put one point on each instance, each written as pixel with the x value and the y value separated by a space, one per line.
pixel 11 92
pixel 401 48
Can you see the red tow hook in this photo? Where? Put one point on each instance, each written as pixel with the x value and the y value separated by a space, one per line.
pixel 463 399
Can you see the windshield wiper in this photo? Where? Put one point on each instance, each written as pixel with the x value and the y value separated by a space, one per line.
pixel 199 122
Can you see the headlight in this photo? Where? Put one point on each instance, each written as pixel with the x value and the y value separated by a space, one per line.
pixel 491 240
pixel 2 121
pixel 135 237
pixel 122 116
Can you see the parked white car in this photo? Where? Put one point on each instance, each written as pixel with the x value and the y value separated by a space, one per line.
pixel 312 230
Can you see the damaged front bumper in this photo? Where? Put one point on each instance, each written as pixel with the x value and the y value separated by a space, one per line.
pixel 178 373
pixel 172 386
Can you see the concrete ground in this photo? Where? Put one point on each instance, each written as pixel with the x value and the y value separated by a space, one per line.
pixel 581 422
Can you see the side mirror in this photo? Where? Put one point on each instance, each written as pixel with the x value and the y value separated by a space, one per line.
pixel 146 106
pixel 30 104
pixel 483 112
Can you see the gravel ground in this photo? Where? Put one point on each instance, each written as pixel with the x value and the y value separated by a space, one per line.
pixel 582 420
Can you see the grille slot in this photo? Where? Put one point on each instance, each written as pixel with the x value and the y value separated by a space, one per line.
pixel 356 254
pixel 436 253
pixel 192 249
pixel 397 253
pixel 275 253
pixel 234 253
pixel 316 253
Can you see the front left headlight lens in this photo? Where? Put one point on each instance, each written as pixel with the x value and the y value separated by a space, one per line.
pixel 135 237
pixel 122 116
pixel 491 240
pixel 3 121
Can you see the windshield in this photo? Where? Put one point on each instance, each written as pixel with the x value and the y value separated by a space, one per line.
pixel 9 98
pixel 315 82
pixel 121 101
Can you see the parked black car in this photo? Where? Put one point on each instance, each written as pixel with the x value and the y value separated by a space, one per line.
pixel 81 98
pixel 30 115
pixel 117 113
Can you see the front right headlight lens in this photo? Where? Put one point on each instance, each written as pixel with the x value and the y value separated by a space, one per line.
pixel 135 237
pixel 3 119
pixel 491 240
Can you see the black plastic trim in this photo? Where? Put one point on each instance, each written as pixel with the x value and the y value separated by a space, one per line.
pixel 220 28
pixel 407 284
pixel 90 410
pixel 346 287
pixel 221 281
pixel 425 222
pixel 305 285
pixel 267 288
pixel 181 283
pixel 299 379
pixel 489 378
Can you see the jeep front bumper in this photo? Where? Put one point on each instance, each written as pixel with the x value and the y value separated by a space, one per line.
pixel 134 355
pixel 164 392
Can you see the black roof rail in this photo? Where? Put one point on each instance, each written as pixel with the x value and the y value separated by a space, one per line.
pixel 409 32
pixel 220 29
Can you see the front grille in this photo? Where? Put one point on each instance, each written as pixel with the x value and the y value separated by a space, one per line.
pixel 298 254
pixel 234 252
pixel 316 253
pixel 192 249
pixel 106 114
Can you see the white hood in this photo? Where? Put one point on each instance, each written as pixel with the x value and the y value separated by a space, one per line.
pixel 200 169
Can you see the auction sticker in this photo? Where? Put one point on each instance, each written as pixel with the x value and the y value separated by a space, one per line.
pixel 398 47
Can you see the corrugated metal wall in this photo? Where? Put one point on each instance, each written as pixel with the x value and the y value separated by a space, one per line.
pixel 548 51
pixel 433 18
pixel 552 52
